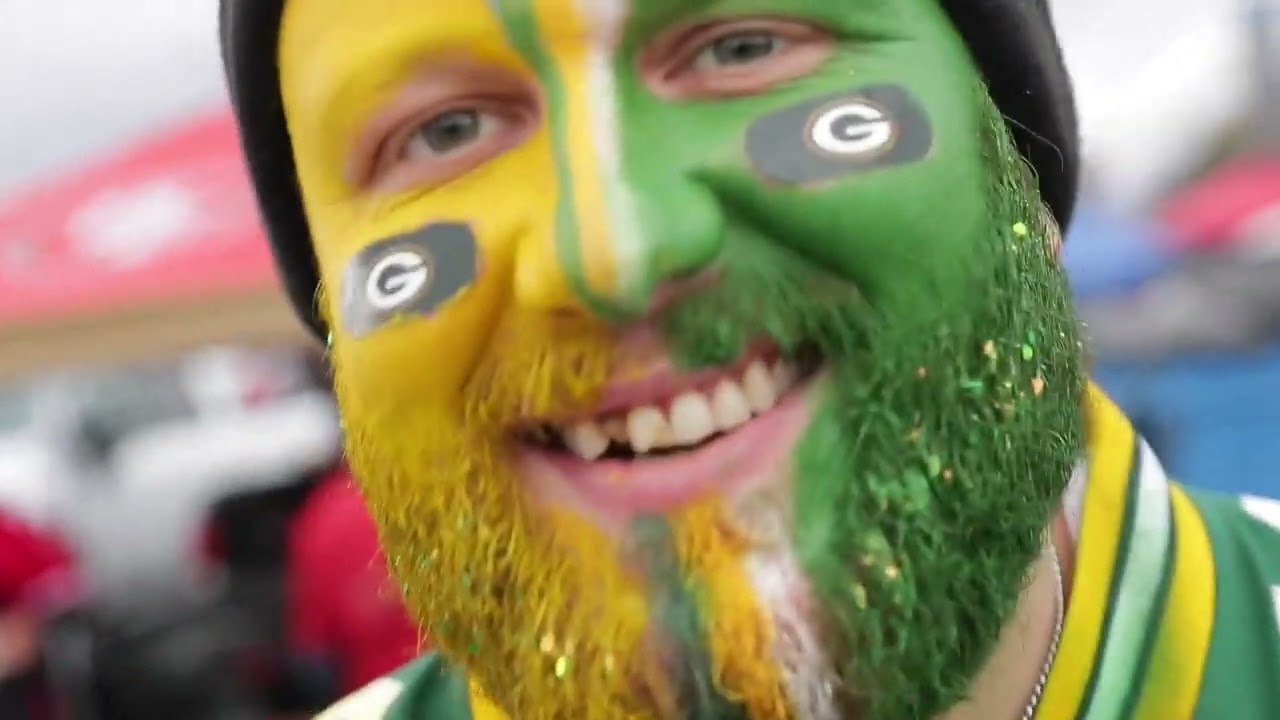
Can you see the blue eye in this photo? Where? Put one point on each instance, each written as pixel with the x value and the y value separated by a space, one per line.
pixel 448 133
pixel 740 48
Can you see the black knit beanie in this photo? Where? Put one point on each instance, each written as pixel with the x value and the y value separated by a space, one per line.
pixel 1012 41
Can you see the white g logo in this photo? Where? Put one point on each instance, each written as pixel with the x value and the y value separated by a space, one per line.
pixel 852 128
pixel 396 279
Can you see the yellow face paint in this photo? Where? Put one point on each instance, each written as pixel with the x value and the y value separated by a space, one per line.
pixel 430 400
pixel 340 63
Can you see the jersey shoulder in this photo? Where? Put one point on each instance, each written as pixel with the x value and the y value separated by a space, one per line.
pixel 425 688
pixel 1242 670
pixel 1244 532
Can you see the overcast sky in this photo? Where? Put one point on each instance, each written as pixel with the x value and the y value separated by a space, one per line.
pixel 78 77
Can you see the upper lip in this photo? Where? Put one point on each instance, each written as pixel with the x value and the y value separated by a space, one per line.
pixel 660 380
pixel 647 375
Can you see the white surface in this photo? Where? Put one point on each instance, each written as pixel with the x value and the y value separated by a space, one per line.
pixel 28 485
pixel 145 530
pixel 1156 81
pixel 79 77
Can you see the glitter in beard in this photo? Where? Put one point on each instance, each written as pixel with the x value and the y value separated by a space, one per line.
pixel 928 473
pixel 955 435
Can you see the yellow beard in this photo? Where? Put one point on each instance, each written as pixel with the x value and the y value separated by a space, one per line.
pixel 741 639
pixel 534 604
pixel 497 586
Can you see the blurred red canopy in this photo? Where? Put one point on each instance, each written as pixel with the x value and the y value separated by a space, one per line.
pixel 153 250
pixel 1234 208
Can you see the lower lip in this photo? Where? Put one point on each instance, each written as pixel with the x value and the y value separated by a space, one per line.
pixel 730 465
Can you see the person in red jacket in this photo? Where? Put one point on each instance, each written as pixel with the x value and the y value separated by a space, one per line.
pixel 347 624
pixel 39 576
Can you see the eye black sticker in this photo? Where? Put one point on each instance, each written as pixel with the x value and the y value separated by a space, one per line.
pixel 824 138
pixel 411 274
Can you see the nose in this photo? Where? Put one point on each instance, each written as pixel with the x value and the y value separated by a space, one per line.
pixel 612 262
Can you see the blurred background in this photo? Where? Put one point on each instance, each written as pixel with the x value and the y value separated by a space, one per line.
pixel 178 537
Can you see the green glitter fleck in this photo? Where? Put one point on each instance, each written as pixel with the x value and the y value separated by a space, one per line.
pixel 1020 229
pixel 860 596
pixel 562 666
pixel 916 492
pixel 934 465
pixel 1028 352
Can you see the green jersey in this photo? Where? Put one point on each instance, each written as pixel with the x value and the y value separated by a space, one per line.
pixel 1174 610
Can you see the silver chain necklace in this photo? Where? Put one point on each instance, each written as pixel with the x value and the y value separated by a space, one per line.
pixel 1030 712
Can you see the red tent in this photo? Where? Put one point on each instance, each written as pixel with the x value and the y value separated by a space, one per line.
pixel 153 251
pixel 1236 205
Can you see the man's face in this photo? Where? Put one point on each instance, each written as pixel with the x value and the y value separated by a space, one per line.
pixel 698 359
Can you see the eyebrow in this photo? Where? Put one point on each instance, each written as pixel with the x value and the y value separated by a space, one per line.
pixel 346 90
pixel 655 15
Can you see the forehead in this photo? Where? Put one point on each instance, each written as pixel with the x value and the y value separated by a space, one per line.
pixel 345 52
pixel 320 24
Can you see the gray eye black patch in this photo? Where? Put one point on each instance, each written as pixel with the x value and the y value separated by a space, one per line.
pixel 824 138
pixel 410 274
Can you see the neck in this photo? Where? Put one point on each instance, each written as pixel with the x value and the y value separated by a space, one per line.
pixel 1005 685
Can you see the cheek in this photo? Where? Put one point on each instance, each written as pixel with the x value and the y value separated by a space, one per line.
pixel 415 288
pixel 849 133
pixel 870 182
pixel 412 313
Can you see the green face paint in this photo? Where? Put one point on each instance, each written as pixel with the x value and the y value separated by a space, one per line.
pixel 877 227
pixel 950 419
pixel 868 209
pixel 946 432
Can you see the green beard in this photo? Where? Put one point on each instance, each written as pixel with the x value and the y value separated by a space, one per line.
pixel 944 440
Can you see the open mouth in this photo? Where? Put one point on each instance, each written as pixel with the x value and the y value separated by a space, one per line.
pixel 664 437
pixel 683 416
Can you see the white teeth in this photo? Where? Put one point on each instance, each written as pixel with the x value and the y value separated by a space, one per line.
pixel 587 439
pixel 616 428
pixel 644 426
pixel 759 388
pixel 784 376
pixel 691 418
pixel 729 405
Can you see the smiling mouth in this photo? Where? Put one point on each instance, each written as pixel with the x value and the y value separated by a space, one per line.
pixel 665 437
pixel 664 416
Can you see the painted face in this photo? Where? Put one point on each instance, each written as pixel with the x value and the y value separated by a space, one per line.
pixel 698 359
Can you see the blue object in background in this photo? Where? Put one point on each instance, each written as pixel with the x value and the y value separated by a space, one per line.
pixel 1213 418
pixel 1108 254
